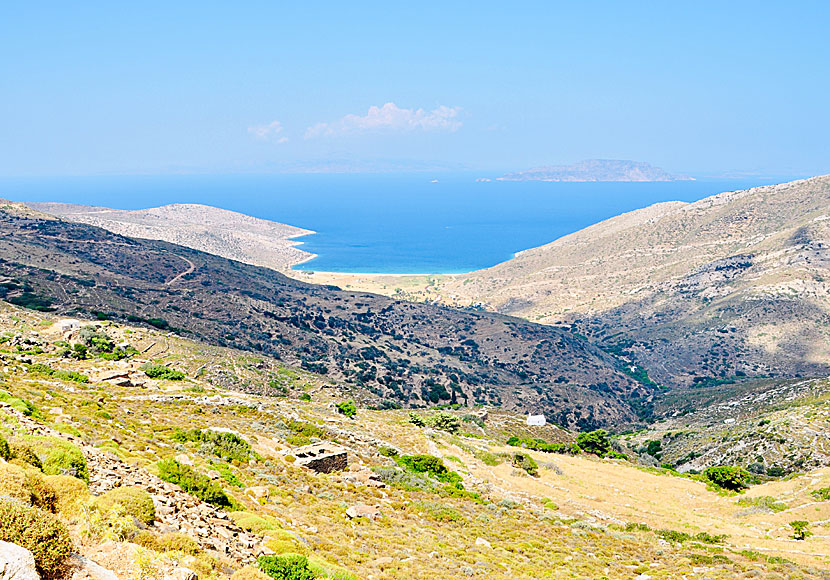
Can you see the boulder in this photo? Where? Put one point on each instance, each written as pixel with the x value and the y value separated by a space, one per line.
pixel 86 569
pixel 16 563
pixel 181 573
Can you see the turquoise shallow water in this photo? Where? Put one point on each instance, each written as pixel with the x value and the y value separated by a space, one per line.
pixel 387 223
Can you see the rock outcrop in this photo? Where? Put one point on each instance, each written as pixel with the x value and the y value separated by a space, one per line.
pixel 16 563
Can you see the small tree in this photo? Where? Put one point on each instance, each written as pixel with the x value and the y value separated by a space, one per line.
pixel 347 408
pixel 445 422
pixel 800 531
pixel 595 442
pixel 416 420
pixel 729 477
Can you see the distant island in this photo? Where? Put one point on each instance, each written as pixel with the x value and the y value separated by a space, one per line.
pixel 596 170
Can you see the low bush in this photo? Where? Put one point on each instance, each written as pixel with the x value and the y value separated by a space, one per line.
pixel 417 420
pixel 254 523
pixel 225 445
pixel 764 502
pixel 525 462
pixel 178 542
pixel 136 502
pixel 445 422
pixel 39 532
pixel 433 466
pixel 71 493
pixel 542 445
pixel 729 477
pixel 193 482
pixel 347 408
pixel 288 567
pixel 5 450
pixel 59 457
pixel 46 370
pixel 25 483
pixel 800 531
pixel 821 494
pixel 20 405
pixel 161 372
pixel 23 453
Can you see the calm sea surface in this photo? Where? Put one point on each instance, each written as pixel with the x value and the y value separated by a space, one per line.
pixel 387 223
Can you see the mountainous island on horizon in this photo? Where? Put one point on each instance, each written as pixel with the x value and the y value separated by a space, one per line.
pixel 596 170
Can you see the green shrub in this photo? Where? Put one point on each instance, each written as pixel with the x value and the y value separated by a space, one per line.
pixel 5 450
pixel 193 482
pixel 59 457
pixel 525 462
pixel 305 397
pixel 20 405
pixel 23 453
pixel 135 501
pixel 821 494
pixel 347 408
pixel 227 446
pixel 25 483
pixel 254 523
pixel 765 502
pixel 800 531
pixel 44 369
pixel 595 442
pixel 542 445
pixel 156 371
pixel 417 420
pixel 178 542
pixel 71 493
pixel 288 567
pixel 445 422
pixel 433 466
pixel 40 533
pixel 730 477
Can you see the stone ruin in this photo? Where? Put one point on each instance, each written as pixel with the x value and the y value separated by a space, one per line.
pixel 321 457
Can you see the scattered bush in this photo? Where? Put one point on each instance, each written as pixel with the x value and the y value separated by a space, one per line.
pixel 156 371
pixel 542 445
pixel 254 523
pixel 525 462
pixel 44 369
pixel 178 542
pixel 289 567
pixel 417 420
pixel 226 445
pixel 193 482
pixel 595 442
pixel 387 451
pixel 25 483
pixel 347 408
pixel 764 502
pixel 71 493
pixel 445 422
pixel 729 477
pixel 821 494
pixel 59 457
pixel 305 397
pixel 20 405
pixel 5 450
pixel 800 531
pixel 433 466
pixel 40 533
pixel 136 502
pixel 24 454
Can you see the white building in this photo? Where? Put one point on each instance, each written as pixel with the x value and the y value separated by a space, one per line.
pixel 536 420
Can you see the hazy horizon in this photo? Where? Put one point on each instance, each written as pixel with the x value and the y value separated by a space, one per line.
pixel 704 89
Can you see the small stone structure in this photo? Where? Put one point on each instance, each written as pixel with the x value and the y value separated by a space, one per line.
pixel 321 457
pixel 536 420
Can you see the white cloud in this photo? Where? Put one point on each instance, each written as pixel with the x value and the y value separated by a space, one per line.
pixel 390 117
pixel 269 131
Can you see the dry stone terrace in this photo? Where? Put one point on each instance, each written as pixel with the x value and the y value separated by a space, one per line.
pixel 176 510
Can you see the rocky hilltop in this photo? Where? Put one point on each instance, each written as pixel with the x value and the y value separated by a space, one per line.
pixel 596 170
pixel 209 229
pixel 730 286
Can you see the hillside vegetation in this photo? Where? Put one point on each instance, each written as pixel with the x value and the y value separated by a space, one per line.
pixel 437 504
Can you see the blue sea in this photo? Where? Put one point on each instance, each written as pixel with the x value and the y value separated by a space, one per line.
pixel 387 223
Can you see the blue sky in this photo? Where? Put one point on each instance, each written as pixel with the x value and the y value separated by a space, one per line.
pixel 707 88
